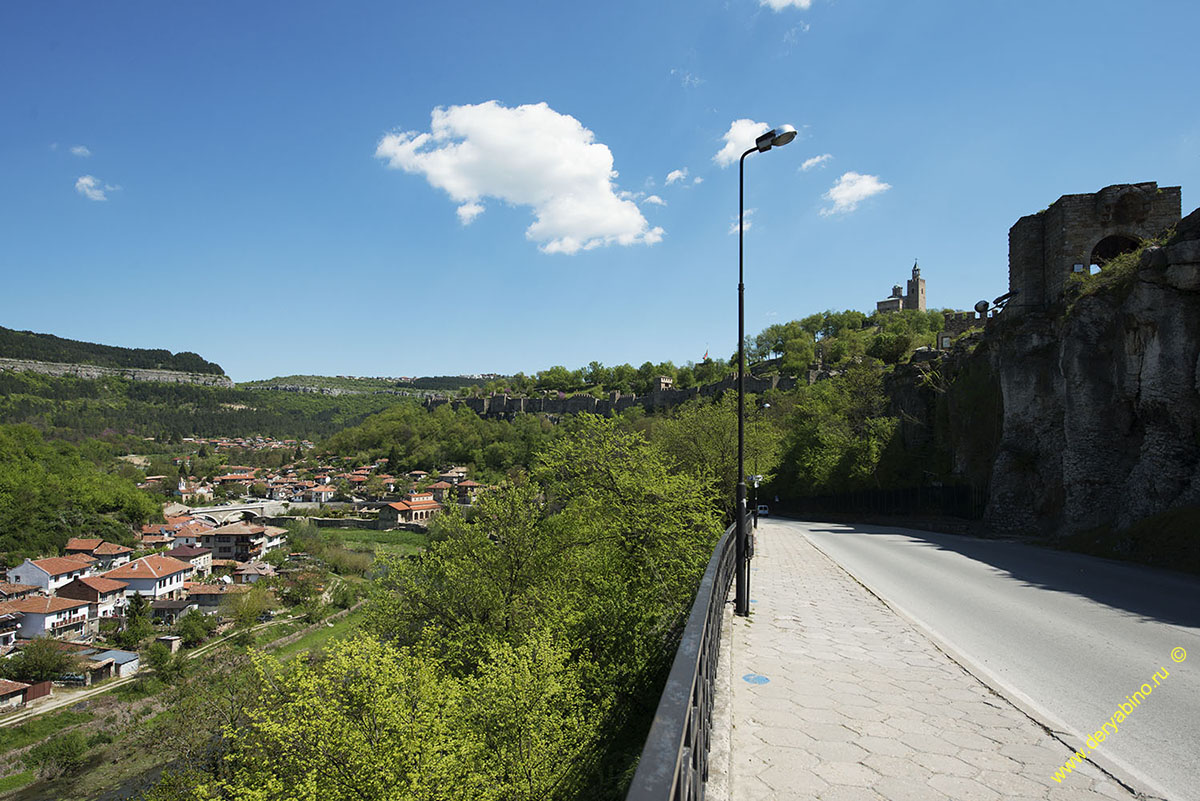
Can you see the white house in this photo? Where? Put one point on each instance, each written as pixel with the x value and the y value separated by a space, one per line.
pixel 63 618
pixel 125 663
pixel 50 574
pixel 155 576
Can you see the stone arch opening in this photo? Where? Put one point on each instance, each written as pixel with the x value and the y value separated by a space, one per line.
pixel 1109 248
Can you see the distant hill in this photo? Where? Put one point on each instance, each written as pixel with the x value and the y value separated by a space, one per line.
pixel 49 348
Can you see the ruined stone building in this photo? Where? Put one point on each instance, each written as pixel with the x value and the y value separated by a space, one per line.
pixel 913 298
pixel 1079 233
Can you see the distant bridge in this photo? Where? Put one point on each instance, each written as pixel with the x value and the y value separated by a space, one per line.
pixel 220 515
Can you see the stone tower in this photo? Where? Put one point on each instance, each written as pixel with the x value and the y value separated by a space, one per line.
pixel 915 297
pixel 1078 231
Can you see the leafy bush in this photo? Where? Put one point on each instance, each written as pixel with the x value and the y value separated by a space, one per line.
pixel 58 755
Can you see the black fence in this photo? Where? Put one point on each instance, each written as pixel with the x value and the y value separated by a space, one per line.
pixel 962 501
pixel 674 761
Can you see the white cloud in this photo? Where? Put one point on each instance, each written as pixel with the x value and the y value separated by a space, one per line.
pixel 81 150
pixel 90 187
pixel 656 200
pixel 780 5
pixel 850 190
pixel 676 175
pixel 697 180
pixel 738 139
pixel 527 156
pixel 815 161
pixel 733 226
pixel 467 212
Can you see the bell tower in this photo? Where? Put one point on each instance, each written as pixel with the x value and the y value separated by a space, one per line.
pixel 915 297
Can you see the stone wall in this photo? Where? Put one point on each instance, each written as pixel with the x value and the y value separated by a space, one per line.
pixel 1101 418
pixel 1044 248
pixel 508 407
pixel 92 371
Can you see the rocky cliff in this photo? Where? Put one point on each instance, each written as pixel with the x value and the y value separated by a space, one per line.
pixel 1101 399
pixel 134 374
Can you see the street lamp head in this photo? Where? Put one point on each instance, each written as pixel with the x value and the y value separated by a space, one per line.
pixel 776 137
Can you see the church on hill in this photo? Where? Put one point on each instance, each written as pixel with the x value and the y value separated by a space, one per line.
pixel 914 298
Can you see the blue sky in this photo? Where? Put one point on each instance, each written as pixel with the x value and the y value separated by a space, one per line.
pixel 404 189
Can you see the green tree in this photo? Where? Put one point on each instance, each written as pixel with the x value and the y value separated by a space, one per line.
pixel 701 436
pixel 195 627
pixel 138 625
pixel 371 721
pixel 40 659
pixel 837 433
pixel 168 667
pixel 245 608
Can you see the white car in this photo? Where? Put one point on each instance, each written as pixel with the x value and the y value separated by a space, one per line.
pixel 763 510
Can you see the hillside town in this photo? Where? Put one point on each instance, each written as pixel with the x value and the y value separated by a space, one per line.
pixel 196 561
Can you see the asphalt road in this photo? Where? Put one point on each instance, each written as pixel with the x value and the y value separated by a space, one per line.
pixel 1067 636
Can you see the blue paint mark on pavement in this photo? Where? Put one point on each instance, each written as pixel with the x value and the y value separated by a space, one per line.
pixel 755 678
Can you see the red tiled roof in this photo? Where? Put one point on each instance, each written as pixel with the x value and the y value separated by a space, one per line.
pixel 83 544
pixel 81 558
pixel 111 549
pixel 154 566
pixel 240 527
pixel 9 687
pixel 8 588
pixel 186 552
pixel 101 584
pixel 440 485
pixel 59 565
pixel 41 605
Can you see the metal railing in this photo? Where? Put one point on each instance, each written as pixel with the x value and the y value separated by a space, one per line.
pixel 674 761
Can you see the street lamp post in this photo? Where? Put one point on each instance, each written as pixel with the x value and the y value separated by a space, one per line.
pixel 757 477
pixel 777 137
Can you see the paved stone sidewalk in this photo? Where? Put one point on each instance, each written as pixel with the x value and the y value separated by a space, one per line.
pixel 858 704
